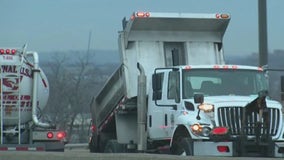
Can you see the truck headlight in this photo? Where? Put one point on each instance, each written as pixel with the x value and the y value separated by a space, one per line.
pixel 206 107
pixel 196 128
pixel 200 130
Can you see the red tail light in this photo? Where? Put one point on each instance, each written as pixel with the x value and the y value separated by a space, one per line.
pixel 49 135
pixel 60 135
pixel 223 149
pixel 8 51
pixel 93 128
pixel 2 51
pixel 13 51
pixel 56 135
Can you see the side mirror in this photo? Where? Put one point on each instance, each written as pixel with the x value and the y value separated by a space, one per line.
pixel 198 98
pixel 282 88
pixel 282 83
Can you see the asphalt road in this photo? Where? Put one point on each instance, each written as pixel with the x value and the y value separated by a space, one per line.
pixel 85 155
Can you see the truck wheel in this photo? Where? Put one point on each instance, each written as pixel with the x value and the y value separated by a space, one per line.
pixel 92 146
pixel 187 146
pixel 113 147
pixel 183 147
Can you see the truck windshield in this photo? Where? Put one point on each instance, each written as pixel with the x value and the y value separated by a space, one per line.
pixel 213 82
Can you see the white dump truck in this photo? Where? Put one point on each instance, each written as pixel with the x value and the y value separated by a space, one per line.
pixel 24 91
pixel 173 93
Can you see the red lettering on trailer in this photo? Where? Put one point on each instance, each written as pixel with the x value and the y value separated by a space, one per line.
pixel 9 69
pixel 26 72
pixel 12 69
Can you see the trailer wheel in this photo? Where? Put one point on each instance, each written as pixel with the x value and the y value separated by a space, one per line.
pixel 183 147
pixel 113 147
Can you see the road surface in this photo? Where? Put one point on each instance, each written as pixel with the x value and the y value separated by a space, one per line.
pixel 85 155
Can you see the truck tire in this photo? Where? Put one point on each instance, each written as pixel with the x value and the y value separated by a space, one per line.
pixel 183 147
pixel 187 146
pixel 92 146
pixel 113 147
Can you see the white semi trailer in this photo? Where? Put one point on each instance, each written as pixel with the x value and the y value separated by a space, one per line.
pixel 173 93
pixel 24 91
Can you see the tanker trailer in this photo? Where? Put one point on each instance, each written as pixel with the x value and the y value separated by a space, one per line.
pixel 24 93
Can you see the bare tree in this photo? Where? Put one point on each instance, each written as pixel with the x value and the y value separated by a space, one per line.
pixel 73 83
pixel 79 98
pixel 59 90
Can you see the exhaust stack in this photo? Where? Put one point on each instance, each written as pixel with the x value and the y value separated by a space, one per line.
pixel 36 72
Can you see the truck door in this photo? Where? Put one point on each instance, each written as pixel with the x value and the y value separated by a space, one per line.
pixel 161 114
pixel 155 111
pixel 173 97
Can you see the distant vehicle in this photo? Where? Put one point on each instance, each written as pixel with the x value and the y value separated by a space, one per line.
pixel 173 93
pixel 24 91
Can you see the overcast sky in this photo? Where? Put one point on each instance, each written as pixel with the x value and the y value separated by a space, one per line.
pixel 62 25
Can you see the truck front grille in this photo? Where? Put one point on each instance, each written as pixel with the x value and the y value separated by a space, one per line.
pixel 232 117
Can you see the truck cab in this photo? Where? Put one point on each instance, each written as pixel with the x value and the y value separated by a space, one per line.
pixel 192 101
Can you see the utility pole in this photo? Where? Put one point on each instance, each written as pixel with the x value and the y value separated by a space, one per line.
pixel 89 42
pixel 262 33
pixel 89 46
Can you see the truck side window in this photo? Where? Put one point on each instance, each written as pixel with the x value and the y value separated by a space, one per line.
pixel 159 78
pixel 173 85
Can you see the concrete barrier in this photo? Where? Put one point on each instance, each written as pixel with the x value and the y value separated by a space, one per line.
pixel 76 146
